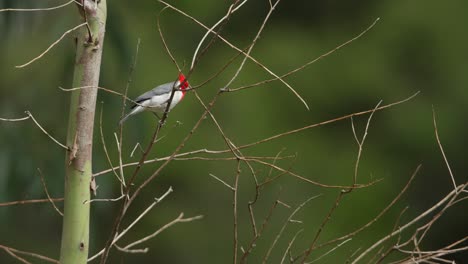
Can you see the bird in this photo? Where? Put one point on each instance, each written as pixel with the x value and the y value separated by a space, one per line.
pixel 156 99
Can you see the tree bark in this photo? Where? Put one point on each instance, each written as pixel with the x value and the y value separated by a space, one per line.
pixel 78 163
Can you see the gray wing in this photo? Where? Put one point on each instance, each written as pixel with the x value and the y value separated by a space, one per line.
pixel 158 90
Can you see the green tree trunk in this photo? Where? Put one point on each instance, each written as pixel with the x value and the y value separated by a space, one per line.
pixel 78 178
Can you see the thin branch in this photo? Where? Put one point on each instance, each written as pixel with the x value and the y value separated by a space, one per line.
pixel 47 192
pixel 119 236
pixel 179 219
pixel 298 208
pixel 239 50
pixel 16 256
pixel 253 42
pixel 451 195
pixel 397 198
pixel 356 186
pixel 327 122
pixel 166 47
pixel 13 253
pixel 105 200
pixel 39 9
pixel 361 142
pixel 330 251
pixel 223 182
pixel 51 46
pixel 259 233
pixel 33 201
pixel 442 149
pixel 288 248
pixel 45 132
pixel 308 63
pixel 229 13
pixel 15 119
pixel 104 146
pixel 120 141
pixel 235 215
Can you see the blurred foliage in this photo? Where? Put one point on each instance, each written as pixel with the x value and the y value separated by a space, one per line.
pixel 416 46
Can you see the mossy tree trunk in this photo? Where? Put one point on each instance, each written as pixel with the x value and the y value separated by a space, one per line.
pixel 78 178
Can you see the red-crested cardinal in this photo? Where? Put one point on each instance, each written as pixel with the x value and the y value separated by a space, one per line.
pixel 156 99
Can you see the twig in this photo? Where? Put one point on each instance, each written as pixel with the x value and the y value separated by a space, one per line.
pixel 235 216
pixel 16 256
pixel 397 198
pixel 31 201
pixel 104 146
pixel 229 13
pixel 45 132
pixel 308 63
pixel 239 50
pixel 442 149
pixel 15 119
pixel 166 47
pixel 259 233
pixel 223 182
pixel 124 96
pixel 105 200
pixel 265 259
pixel 327 122
pixel 51 46
pixel 288 248
pixel 451 195
pixel 39 9
pixel 13 253
pixel 330 251
pixel 361 142
pixel 253 42
pixel 356 186
pixel 119 236
pixel 47 192
pixel 179 219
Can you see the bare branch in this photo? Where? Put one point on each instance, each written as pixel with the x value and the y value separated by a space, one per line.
pixel 39 9
pixel 235 216
pixel 451 195
pixel 239 50
pixel 210 30
pixel 298 208
pixel 288 248
pixel 254 41
pixel 47 192
pixel 442 149
pixel 361 142
pixel 45 132
pixel 105 200
pixel 166 47
pixel 15 119
pixel 13 253
pixel 179 219
pixel 327 122
pixel 397 198
pixel 119 236
pixel 105 148
pixel 356 186
pixel 223 182
pixel 51 46
pixel 308 63
pixel 21 202
pixel 330 251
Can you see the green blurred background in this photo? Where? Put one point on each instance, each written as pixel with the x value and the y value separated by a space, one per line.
pixel 416 46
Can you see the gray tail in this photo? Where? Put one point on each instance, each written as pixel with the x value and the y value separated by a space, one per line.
pixel 124 118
